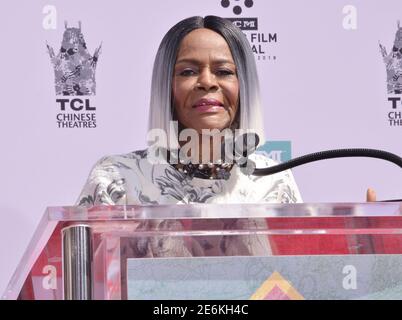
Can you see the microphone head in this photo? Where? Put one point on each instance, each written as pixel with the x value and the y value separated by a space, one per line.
pixel 237 149
pixel 246 144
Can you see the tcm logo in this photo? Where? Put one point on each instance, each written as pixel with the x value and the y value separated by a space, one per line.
pixel 261 42
pixel 237 8
pixel 74 67
pixel 245 23
pixel 242 23
pixel 279 151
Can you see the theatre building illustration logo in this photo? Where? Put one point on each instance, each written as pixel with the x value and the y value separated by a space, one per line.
pixel 75 83
pixel 393 66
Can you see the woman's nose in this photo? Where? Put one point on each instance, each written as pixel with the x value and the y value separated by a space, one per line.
pixel 207 80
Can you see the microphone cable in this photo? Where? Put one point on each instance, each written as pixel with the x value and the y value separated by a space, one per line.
pixel 329 154
pixel 332 154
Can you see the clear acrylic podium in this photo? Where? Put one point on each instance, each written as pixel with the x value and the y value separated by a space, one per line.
pixel 211 251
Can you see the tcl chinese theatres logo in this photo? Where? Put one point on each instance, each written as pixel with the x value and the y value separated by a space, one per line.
pixel 393 66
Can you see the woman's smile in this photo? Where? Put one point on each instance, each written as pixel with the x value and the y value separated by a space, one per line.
pixel 209 105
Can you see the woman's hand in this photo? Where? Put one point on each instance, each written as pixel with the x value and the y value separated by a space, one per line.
pixel 371 195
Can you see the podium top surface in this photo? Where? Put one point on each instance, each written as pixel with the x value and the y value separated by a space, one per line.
pixel 222 211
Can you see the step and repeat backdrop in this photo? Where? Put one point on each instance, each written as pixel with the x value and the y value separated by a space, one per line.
pixel 330 75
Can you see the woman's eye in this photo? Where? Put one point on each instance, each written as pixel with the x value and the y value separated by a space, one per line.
pixel 187 72
pixel 224 72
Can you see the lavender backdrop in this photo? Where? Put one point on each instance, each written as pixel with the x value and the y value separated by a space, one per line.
pixel 326 88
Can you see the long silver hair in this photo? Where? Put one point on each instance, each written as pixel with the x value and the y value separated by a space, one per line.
pixel 161 107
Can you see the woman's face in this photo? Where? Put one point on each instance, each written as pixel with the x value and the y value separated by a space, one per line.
pixel 205 84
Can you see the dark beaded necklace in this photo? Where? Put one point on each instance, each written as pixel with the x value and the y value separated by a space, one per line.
pixel 206 171
pixel 221 170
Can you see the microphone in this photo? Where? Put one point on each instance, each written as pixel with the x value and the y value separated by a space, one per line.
pixel 237 150
pixel 331 154
pixel 246 144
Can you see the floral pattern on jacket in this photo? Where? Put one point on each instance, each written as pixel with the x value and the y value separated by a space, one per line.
pixel 132 179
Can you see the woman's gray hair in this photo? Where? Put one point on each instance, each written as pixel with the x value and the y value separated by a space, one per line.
pixel 161 106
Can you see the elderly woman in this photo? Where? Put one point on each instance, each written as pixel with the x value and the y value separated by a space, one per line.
pixel 204 77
